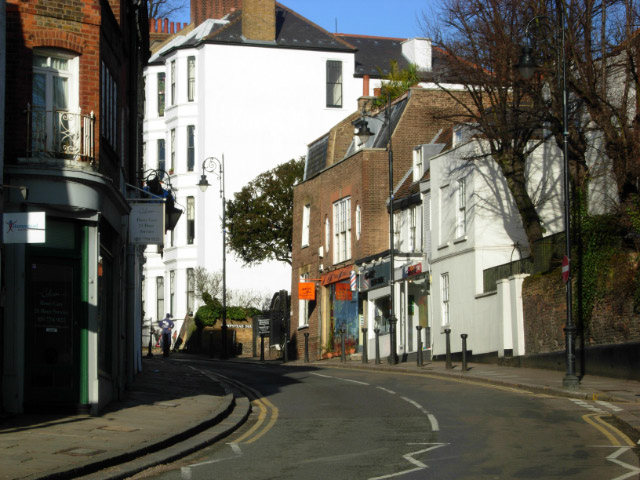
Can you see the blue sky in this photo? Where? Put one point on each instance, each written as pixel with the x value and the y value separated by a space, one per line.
pixel 384 18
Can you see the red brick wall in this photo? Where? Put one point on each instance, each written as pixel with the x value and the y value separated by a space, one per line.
pixel 204 9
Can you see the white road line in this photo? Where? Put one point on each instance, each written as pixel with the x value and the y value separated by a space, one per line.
pixel 432 419
pixel 320 375
pixel 586 405
pixel 610 406
pixel 352 381
pixel 409 458
pixel 236 448
pixel 614 459
pixel 386 390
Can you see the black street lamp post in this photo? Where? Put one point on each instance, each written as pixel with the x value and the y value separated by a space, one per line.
pixel 527 66
pixel 216 166
pixel 363 133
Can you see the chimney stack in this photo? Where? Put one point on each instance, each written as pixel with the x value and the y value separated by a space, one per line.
pixel 259 20
pixel 202 10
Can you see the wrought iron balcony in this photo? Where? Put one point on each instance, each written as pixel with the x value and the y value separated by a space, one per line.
pixel 60 137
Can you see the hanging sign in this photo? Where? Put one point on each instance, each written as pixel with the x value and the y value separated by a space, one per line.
pixel 23 227
pixel 306 291
pixel 146 223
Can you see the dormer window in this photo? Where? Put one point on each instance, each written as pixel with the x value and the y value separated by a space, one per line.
pixel 418 164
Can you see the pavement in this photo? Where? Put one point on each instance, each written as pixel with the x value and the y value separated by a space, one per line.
pixel 173 409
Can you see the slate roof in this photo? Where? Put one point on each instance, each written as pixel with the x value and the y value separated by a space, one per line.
pixel 292 31
pixel 374 54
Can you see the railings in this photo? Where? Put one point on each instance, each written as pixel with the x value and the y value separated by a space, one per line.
pixel 60 135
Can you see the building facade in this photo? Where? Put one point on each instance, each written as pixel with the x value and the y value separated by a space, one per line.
pixel 252 82
pixel 73 341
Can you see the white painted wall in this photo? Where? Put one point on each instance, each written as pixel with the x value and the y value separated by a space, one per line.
pixel 257 106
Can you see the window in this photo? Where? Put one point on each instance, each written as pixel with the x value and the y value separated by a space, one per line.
pixel 191 290
pixel 160 297
pixel 418 164
pixel 54 95
pixel 327 233
pixel 161 79
pixel 191 147
pixel 461 207
pixel 161 154
pixel 172 291
pixel 306 219
pixel 172 160
pixel 303 308
pixel 191 78
pixel 358 222
pixel 413 229
pixel 173 82
pixel 444 285
pixel 342 230
pixel 397 227
pixel 191 220
pixel 334 84
pixel 108 107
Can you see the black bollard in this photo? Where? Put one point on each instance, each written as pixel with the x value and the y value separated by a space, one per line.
pixel 262 347
pixel 377 332
pixel 464 351
pixel 447 332
pixel 365 340
pixel 150 353
pixel 306 347
pixel 343 356
pixel 419 356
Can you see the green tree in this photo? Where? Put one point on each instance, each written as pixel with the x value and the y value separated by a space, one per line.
pixel 260 218
pixel 396 83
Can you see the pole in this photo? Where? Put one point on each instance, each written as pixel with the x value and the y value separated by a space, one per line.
pixel 393 356
pixel 306 347
pixel 570 379
pixel 224 263
pixel 447 332
pixel 365 357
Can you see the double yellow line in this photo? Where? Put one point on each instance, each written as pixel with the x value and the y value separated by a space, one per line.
pixel 615 436
pixel 268 413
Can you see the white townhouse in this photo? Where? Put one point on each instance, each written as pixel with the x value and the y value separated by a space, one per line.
pixel 251 88
pixel 472 224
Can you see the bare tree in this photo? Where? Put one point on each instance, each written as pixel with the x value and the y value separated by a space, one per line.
pixel 481 38
pixel 166 8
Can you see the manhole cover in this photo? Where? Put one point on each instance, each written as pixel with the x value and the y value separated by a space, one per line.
pixel 118 428
pixel 80 452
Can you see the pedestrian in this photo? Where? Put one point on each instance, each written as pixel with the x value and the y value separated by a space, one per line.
pixel 166 324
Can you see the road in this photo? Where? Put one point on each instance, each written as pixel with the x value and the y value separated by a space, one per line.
pixel 322 423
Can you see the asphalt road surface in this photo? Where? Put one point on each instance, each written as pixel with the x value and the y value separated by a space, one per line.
pixel 321 423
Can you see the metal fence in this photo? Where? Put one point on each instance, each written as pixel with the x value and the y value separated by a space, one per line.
pixel 548 254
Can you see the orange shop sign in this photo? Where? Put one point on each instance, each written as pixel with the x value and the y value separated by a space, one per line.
pixel 306 291
pixel 343 292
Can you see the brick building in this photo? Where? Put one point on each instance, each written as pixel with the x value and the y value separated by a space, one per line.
pixel 74 142
pixel 341 224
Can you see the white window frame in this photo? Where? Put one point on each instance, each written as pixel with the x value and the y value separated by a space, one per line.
pixel 172 157
pixel 413 228
pixel 444 292
pixel 342 230
pixel 358 221
pixel 418 164
pixel 191 147
pixel 303 309
pixel 191 78
pixel 172 69
pixel 334 84
pixel 162 89
pixel 461 209
pixel 327 234
pixel 306 225
pixel 49 72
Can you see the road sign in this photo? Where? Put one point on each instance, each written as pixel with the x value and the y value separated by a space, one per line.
pixel 565 269
pixel 263 326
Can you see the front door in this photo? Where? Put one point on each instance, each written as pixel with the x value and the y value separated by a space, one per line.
pixel 52 333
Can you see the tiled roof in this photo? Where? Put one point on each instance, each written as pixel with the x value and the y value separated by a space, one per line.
pixel 292 31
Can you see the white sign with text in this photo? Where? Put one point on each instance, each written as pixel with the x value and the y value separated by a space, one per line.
pixel 24 227
pixel 146 223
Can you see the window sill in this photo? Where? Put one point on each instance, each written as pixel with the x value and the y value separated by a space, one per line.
pixel 460 239
pixel 302 327
pixel 306 245
pixel 443 246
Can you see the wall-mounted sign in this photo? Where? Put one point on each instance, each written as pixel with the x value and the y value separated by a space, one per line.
pixel 343 292
pixel 146 223
pixel 412 270
pixel 24 227
pixel 306 291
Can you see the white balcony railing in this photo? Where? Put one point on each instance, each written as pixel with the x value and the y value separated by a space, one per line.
pixel 60 135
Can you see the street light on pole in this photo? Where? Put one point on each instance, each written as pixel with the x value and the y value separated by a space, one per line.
pixel 363 133
pixel 527 67
pixel 216 166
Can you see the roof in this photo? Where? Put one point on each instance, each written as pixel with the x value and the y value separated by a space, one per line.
pixel 292 31
pixel 374 56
